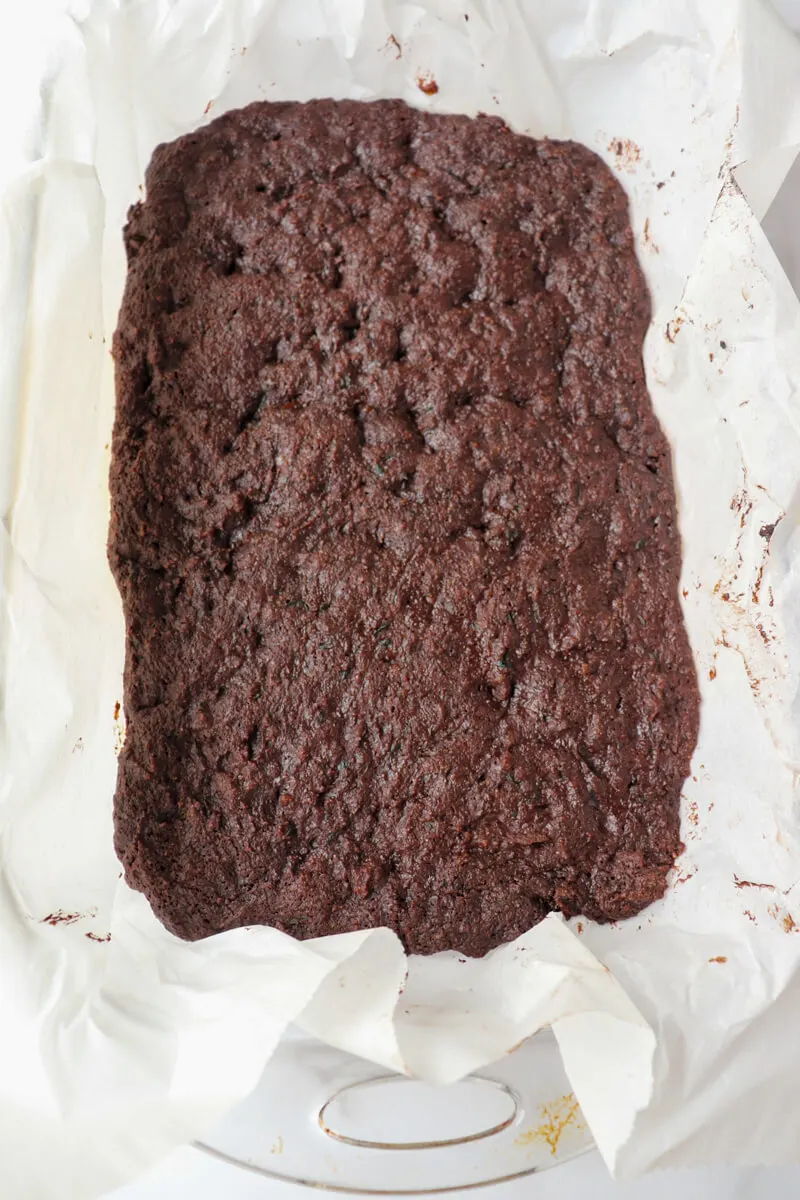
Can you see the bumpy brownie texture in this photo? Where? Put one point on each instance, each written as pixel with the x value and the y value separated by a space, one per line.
pixel 394 528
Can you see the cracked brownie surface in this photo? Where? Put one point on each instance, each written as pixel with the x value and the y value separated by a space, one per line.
pixel 394 528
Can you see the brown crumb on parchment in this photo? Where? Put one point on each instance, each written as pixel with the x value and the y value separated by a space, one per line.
pixel 626 153
pixel 673 328
pixel 59 917
pixel 755 594
pixel 648 237
pixel 719 958
pixel 427 84
pixel 784 919
pixel 748 883
pixel 120 729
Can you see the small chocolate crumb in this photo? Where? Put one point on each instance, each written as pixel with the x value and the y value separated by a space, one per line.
pixel 59 917
pixel 427 84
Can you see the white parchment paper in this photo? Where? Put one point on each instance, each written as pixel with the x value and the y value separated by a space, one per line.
pixel 116 1040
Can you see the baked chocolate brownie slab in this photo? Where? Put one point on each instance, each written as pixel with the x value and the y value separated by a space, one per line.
pixel 394 528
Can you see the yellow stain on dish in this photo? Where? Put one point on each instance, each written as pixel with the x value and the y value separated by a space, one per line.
pixel 277 1147
pixel 556 1117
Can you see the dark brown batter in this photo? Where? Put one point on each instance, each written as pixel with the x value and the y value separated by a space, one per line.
pixel 394 528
